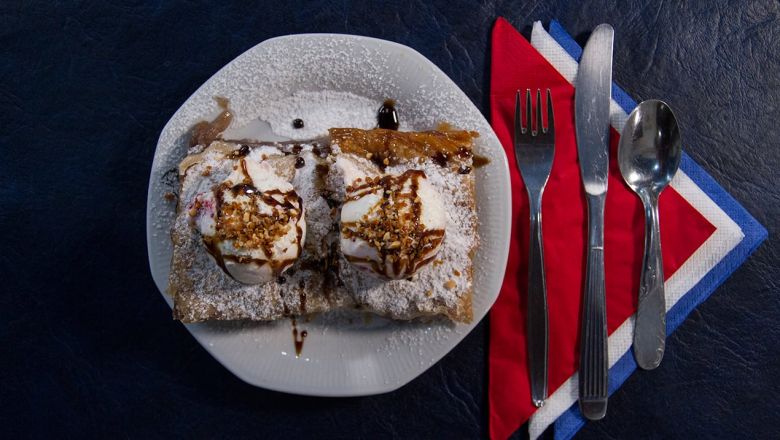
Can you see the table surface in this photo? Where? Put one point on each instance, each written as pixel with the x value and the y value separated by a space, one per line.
pixel 89 347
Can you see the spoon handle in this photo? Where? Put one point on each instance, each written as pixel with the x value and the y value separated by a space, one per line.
pixel 650 330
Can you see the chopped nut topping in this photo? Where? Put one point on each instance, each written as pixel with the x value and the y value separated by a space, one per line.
pixel 392 226
pixel 449 285
pixel 456 272
pixel 242 222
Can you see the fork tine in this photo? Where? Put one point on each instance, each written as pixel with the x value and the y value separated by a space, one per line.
pixel 528 114
pixel 518 118
pixel 539 126
pixel 550 116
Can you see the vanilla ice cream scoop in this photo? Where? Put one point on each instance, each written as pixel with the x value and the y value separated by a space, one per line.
pixel 391 224
pixel 252 223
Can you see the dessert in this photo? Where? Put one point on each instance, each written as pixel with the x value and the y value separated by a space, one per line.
pixel 429 273
pixel 378 220
pixel 252 223
pixel 219 270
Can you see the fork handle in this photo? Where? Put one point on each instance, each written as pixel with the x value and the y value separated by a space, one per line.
pixel 593 334
pixel 537 305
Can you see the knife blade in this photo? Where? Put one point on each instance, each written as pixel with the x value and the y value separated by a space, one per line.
pixel 592 95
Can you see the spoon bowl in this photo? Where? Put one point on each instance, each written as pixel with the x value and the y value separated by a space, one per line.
pixel 649 156
pixel 650 147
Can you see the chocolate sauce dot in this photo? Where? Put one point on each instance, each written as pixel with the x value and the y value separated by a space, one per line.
pixel 241 152
pixel 441 158
pixel 299 162
pixel 297 123
pixel 296 149
pixel 281 280
pixel 387 117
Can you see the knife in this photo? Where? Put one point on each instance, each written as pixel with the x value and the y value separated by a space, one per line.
pixel 591 114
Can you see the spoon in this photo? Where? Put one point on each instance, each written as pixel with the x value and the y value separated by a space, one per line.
pixel 649 155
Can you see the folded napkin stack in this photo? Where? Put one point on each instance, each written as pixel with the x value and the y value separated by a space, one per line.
pixel 705 235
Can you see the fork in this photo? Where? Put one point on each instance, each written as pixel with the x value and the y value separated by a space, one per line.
pixel 534 152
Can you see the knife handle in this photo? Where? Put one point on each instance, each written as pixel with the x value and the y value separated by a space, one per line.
pixel 650 329
pixel 537 325
pixel 593 377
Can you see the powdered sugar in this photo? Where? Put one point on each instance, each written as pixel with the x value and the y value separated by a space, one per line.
pixel 319 219
pixel 319 112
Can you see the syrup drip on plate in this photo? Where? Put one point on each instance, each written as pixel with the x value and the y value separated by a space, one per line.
pixel 298 338
pixel 205 132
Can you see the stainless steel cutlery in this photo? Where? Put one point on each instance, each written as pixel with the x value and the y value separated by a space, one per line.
pixel 534 152
pixel 592 97
pixel 649 155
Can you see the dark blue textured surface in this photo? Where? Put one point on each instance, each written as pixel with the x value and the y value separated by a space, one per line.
pixel 88 347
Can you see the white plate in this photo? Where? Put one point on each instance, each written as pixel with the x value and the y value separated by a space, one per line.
pixel 339 358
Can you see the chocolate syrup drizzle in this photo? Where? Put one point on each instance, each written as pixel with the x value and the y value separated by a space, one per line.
pixel 285 200
pixel 426 239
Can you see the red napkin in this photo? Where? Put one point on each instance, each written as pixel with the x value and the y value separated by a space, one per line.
pixel 517 65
